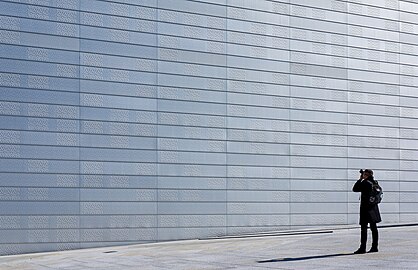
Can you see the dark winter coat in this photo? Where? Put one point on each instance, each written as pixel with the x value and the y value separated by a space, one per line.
pixel 368 213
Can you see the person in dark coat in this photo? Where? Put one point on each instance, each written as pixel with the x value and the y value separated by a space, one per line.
pixel 369 213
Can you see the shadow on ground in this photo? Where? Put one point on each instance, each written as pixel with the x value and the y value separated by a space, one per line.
pixel 305 258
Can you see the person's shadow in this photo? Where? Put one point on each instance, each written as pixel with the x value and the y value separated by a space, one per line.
pixel 305 258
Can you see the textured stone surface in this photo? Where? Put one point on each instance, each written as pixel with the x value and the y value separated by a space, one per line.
pixel 125 121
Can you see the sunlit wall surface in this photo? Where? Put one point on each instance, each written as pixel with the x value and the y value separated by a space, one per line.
pixel 135 121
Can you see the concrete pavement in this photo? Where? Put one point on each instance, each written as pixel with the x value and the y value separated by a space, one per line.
pixel 327 248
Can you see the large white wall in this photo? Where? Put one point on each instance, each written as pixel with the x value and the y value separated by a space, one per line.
pixel 135 121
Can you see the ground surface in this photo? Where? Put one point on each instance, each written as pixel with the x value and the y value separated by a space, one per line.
pixel 328 249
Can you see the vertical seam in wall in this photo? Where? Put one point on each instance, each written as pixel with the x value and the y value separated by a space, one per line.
pixel 79 127
pixel 290 119
pixel 347 124
pixel 157 219
pixel 400 115
pixel 226 119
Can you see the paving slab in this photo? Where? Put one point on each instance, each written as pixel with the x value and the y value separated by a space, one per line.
pixel 325 249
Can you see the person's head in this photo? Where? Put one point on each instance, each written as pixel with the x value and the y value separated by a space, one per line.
pixel 367 173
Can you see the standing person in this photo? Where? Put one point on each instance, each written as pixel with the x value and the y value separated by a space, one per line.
pixel 369 213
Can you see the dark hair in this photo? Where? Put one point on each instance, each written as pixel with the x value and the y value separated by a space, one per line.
pixel 369 171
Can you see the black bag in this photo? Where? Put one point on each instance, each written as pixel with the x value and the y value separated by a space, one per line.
pixel 376 194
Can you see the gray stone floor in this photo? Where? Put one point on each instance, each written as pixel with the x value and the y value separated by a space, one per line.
pixel 330 249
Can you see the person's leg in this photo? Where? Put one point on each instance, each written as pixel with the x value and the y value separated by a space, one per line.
pixel 363 239
pixel 375 236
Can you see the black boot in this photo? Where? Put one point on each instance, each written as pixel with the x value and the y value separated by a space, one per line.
pixel 373 249
pixel 360 250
